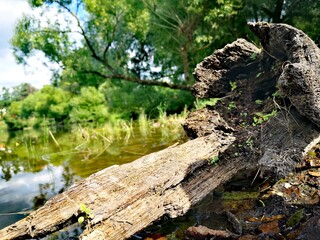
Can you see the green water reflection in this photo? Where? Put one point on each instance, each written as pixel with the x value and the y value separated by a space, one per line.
pixel 36 165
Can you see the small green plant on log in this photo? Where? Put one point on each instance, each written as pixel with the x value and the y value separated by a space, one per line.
pixel 262 117
pixel 231 106
pixel 258 101
pixel 253 56
pixel 233 85
pixel 85 212
pixel 214 160
pixel 249 142
pixel 201 103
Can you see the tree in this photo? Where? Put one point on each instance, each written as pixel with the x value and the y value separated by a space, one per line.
pixel 22 91
pixel 149 42
pixel 107 34
pixel 16 93
pixel 5 98
pixel 89 106
pixel 301 14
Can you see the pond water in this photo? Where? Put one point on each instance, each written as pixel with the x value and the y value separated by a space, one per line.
pixel 35 165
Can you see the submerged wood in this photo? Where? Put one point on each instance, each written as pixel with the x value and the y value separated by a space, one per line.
pixel 127 198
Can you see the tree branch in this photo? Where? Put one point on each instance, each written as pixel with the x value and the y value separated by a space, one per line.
pixel 86 38
pixel 114 74
pixel 138 80
pixel 83 33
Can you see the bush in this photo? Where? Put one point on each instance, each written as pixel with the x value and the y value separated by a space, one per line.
pixel 89 106
pixel 13 117
pixel 131 99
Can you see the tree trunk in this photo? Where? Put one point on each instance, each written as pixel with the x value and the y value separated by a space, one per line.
pixel 254 126
pixel 186 67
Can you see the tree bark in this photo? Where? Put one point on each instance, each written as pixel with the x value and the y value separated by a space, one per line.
pixel 254 126
pixel 300 58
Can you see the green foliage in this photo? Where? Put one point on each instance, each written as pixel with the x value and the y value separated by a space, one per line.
pixel 295 218
pixel 16 93
pixel 5 98
pixel 13 119
pixel 253 56
pixel 249 142
pixel 131 99
pixel 233 85
pixel 117 48
pixel 49 102
pixel 262 117
pixel 201 103
pixel 126 40
pixel 232 105
pixel 258 101
pixel 214 160
pixel 88 106
pixel 151 39
pixel 87 213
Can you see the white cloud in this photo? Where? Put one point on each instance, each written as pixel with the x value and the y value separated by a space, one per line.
pixel 12 74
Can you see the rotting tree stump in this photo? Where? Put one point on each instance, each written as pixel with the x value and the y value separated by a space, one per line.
pixel 254 126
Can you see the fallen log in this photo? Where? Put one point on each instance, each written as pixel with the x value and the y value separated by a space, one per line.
pixel 254 126
pixel 126 198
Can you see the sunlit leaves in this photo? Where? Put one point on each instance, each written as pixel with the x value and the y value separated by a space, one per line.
pixel 30 35
pixel 49 102
pixel 225 8
pixel 36 3
pixel 88 106
pixel 39 3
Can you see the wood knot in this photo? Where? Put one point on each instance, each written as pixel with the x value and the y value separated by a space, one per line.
pixel 286 63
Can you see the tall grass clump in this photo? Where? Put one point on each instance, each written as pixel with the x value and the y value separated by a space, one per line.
pixel 144 124
pixel 170 125
pixel 95 140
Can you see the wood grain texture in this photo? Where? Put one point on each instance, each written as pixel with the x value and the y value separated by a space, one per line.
pixel 127 198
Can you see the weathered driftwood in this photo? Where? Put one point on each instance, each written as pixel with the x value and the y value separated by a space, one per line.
pixel 127 198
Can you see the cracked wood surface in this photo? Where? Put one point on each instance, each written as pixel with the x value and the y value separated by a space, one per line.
pixel 127 198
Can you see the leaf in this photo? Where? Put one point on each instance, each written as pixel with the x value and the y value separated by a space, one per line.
pixel 81 220
pixel 214 160
pixel 270 227
pixel 295 218
pixel 82 207
pixel 314 173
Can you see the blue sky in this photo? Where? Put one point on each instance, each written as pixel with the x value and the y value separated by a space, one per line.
pixel 12 74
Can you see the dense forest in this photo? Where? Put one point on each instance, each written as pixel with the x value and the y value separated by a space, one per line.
pixel 118 59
